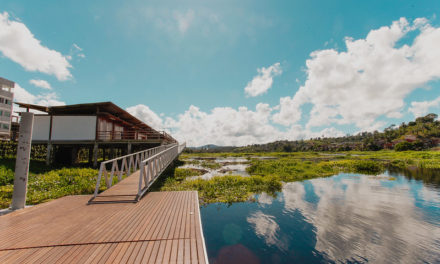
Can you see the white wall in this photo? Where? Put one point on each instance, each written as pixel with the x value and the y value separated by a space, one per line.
pixel 74 128
pixel 40 131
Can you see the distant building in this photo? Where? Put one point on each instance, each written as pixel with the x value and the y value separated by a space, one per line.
pixel 70 128
pixel 6 98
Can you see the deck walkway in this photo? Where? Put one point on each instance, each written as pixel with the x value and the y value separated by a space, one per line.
pixel 163 227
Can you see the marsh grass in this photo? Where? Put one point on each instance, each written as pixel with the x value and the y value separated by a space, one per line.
pixel 268 175
pixel 211 165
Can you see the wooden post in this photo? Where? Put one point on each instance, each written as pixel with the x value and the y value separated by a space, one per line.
pixel 48 153
pixel 22 161
pixel 74 157
pixel 129 148
pixel 112 152
pixel 90 154
pixel 95 155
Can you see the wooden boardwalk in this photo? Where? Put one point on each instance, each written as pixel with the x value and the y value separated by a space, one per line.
pixel 163 227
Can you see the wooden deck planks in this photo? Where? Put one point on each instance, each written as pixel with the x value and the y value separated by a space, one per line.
pixel 163 227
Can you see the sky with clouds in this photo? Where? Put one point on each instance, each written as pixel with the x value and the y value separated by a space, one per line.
pixel 228 72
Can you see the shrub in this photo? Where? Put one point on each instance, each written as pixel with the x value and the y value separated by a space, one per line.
pixel 367 166
pixel 402 146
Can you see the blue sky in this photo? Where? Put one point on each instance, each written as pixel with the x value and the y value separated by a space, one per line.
pixel 184 65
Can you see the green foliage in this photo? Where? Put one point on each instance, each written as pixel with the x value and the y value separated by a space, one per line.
pixel 7 167
pixel 62 182
pixel 181 174
pixel 227 189
pixel 46 183
pixel 402 146
pixel 6 175
pixel 368 166
pixel 8 149
pixel 268 175
pixel 289 169
pixel 210 165
pixel 360 166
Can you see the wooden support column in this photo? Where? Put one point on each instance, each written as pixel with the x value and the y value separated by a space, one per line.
pixel 48 153
pixel 95 155
pixel 112 152
pixel 74 154
pixel 129 148
pixel 90 156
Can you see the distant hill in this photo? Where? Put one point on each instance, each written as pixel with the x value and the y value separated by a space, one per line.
pixel 423 133
pixel 210 148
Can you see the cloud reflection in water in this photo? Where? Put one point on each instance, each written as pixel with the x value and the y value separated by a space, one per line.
pixel 358 218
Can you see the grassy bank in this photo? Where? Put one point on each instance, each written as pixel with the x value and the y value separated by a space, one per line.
pixel 46 183
pixel 268 175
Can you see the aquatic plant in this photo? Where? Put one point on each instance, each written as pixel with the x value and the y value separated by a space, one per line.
pixel 211 165
pixel 45 184
pixel 268 175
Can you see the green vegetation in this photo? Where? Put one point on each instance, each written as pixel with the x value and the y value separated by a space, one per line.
pixel 268 175
pixel 226 189
pixel 210 165
pixel 405 145
pixel 46 183
pixel 8 149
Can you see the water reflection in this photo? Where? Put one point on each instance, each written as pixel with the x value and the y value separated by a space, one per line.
pixel 361 217
pixel 428 176
pixel 266 228
pixel 345 218
pixel 229 166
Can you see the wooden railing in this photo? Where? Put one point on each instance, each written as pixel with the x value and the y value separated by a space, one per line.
pixel 152 167
pixel 125 165
pixel 134 135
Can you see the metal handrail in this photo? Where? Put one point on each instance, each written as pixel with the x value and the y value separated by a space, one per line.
pixel 129 163
pixel 152 167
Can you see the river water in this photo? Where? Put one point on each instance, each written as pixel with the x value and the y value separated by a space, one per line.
pixel 346 218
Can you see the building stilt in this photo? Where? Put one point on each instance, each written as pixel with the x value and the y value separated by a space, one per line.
pixel 95 155
pixel 48 153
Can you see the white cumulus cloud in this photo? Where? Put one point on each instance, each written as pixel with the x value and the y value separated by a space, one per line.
pixel 19 44
pixel 41 83
pixel 263 81
pixel 225 126
pixel 145 114
pixel 419 109
pixel 23 96
pixel 368 80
